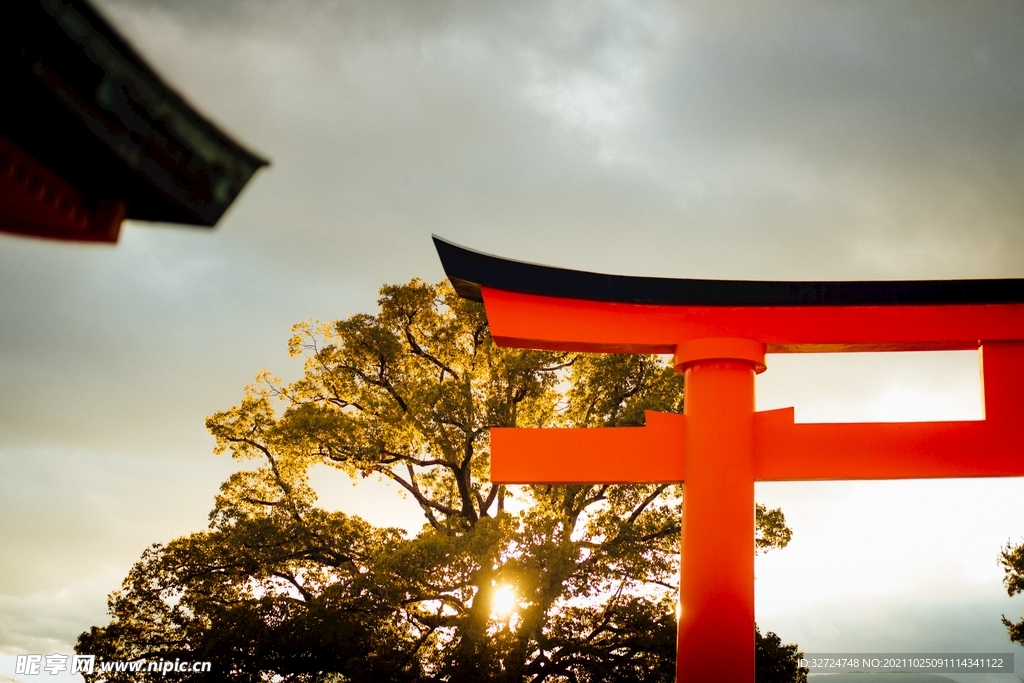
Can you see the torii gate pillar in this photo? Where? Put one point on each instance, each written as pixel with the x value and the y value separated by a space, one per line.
pixel 716 591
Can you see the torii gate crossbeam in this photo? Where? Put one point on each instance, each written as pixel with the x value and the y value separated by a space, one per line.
pixel 719 332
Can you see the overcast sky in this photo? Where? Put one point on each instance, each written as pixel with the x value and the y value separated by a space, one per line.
pixel 792 140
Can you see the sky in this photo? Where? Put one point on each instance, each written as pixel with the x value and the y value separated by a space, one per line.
pixel 777 140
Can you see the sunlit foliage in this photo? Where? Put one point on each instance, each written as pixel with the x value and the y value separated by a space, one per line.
pixel 279 589
pixel 1011 558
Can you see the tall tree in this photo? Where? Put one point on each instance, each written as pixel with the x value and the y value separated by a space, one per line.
pixel 542 583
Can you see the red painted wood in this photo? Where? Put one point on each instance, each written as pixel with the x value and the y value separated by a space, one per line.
pixel 536 322
pixel 720 446
pixel 993 447
pixel 619 455
pixel 715 637
pixel 37 202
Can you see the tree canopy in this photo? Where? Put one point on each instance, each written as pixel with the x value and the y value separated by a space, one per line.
pixel 539 583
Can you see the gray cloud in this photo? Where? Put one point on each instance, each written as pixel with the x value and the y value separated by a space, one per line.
pixel 890 131
pixel 776 140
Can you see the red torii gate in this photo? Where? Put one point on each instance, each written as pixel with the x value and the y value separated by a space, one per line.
pixel 719 332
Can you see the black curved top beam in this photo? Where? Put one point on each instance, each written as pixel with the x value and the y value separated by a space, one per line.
pixel 469 270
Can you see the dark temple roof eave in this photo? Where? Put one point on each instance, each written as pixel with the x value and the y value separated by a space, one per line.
pixel 102 128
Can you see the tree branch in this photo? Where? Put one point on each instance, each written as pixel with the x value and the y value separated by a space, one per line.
pixel 647 501
pixel 416 349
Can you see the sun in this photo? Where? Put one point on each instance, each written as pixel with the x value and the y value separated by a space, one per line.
pixel 503 601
